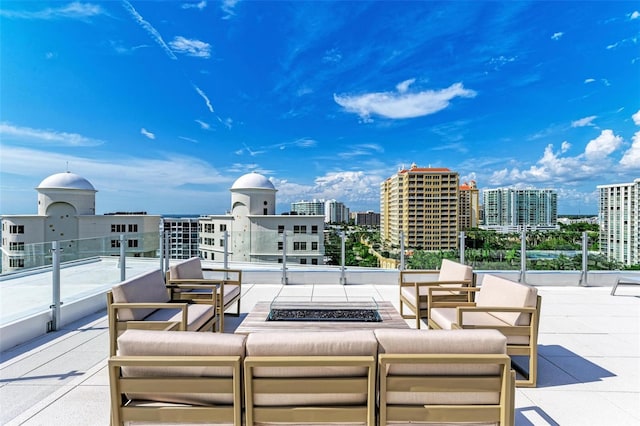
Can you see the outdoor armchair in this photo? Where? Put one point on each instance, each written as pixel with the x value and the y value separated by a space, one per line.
pixel 448 279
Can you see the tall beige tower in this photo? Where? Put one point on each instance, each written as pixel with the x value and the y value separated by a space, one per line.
pixel 422 203
pixel 469 206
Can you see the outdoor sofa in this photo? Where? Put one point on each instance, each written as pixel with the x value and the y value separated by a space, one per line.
pixel 317 377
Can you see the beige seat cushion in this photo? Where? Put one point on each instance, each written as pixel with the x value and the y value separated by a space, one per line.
pixel 409 294
pixel 231 291
pixel 441 342
pixel 180 343
pixel 197 315
pixel 147 287
pixel 501 292
pixel 453 271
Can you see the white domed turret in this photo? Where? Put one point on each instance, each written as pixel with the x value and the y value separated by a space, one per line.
pixel 66 189
pixel 66 180
pixel 254 194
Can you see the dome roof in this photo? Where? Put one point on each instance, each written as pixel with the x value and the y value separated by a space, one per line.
pixel 66 180
pixel 253 180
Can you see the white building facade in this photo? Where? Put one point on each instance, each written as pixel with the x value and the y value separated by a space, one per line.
pixel 252 232
pixel 66 213
pixel 619 216
pixel 182 235
pixel 515 210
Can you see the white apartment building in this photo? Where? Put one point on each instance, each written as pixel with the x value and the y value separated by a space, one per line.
pixel 619 216
pixel 335 212
pixel 514 210
pixel 254 233
pixel 66 213
pixel 182 234
pixel 313 207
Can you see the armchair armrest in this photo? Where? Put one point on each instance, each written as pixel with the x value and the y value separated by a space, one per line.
pixel 410 282
pixel 152 305
pixel 460 310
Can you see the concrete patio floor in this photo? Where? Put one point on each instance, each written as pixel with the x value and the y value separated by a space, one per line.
pixel 589 360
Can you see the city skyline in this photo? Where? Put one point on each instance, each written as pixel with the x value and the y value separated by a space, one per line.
pixel 162 106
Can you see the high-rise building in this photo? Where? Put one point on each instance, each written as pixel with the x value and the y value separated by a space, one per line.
pixel 253 232
pixel 66 213
pixel 368 218
pixel 183 236
pixel 314 207
pixel 515 210
pixel 469 205
pixel 335 212
pixel 619 215
pixel 422 203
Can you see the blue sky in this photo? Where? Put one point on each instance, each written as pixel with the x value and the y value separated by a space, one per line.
pixel 162 105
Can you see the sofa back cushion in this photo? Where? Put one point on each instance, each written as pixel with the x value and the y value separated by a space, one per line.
pixel 146 287
pixel 412 341
pixel 180 343
pixel 316 343
pixel 189 269
pixel 501 292
pixel 454 271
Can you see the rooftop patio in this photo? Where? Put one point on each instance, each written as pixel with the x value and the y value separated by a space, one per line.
pixel 589 353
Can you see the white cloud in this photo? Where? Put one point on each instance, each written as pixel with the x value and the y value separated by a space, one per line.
pixel 147 133
pixel 589 80
pixel 75 10
pixel 404 86
pixel 557 36
pixel 50 137
pixel 201 5
pixel 184 138
pixel 204 96
pixel 552 168
pixel 228 7
pixel 631 158
pixel 602 146
pixel 402 105
pixel 636 118
pixel 155 35
pixel 203 125
pixel 583 122
pixel 332 56
pixel 635 15
pixel 196 48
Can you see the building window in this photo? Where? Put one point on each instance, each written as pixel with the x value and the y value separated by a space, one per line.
pixel 16 229
pixel 314 261
pixel 314 229
pixel 265 211
pixel 299 229
pixel 222 243
pixel 118 228
pixel 132 243
pixel 280 245
pixel 300 245
pixel 133 227
pixel 314 245
pixel 303 261
pixel 16 246
pixel 115 243
pixel 280 229
pixel 223 227
pixel 16 263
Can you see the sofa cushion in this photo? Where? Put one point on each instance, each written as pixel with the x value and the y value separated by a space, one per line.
pixel 146 287
pixel 317 343
pixel 189 269
pixel 454 271
pixel 231 291
pixel 409 293
pixel 446 317
pixel 441 342
pixel 501 292
pixel 178 343
pixel 197 315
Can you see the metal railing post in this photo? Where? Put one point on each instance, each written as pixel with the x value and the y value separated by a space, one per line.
pixel 585 260
pixel 161 244
pixel 123 258
pixel 167 251
pixel 55 282
pixel 343 277
pixel 462 242
pixel 401 251
pixel 523 256
pixel 225 242
pixel 284 279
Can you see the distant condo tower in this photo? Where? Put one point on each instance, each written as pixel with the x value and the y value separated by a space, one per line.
pixel 256 233
pixel 67 213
